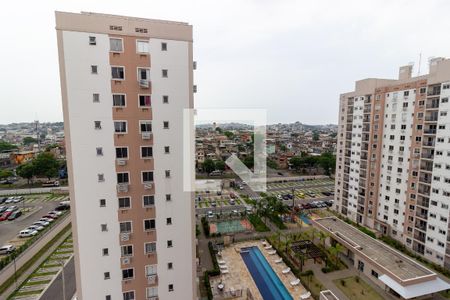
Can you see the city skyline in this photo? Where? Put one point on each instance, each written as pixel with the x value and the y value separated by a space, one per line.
pixel 292 49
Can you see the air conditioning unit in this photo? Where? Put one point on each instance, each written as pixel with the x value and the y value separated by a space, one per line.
pixel 148 185
pixel 121 162
pixel 151 279
pixel 122 187
pixel 146 135
pixel 152 297
pixel 144 83
pixel 125 236
pixel 126 260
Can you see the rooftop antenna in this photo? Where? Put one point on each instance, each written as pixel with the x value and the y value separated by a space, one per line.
pixel 420 62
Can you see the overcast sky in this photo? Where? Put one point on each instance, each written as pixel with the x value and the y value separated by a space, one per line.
pixel 292 58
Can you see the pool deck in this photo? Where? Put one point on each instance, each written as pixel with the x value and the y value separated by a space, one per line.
pixel 239 278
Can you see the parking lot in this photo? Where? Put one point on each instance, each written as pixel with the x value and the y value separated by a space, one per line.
pixel 33 207
pixel 226 201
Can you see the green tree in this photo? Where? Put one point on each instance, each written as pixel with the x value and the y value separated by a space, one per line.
pixel 209 165
pixel 283 148
pixel 27 171
pixel 248 161
pixel 327 161
pixel 316 136
pixel 45 164
pixel 229 134
pixel 272 164
pixel 29 140
pixel 5 146
pixel 5 173
pixel 220 165
pixel 218 130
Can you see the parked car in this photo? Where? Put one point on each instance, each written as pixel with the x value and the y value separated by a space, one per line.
pixel 55 212
pixel 232 202
pixel 5 215
pixel 210 214
pixel 62 207
pixel 9 200
pixel 49 220
pixel 329 202
pixel 50 216
pixel 36 227
pixel 7 249
pixel 50 183
pixel 41 223
pixel 18 199
pixel 213 203
pixel 14 215
pixel 219 193
pixel 27 233
pixel 3 208
pixel 12 208
pixel 3 199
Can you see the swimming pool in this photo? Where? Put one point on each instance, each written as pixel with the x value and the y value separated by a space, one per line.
pixel 305 219
pixel 268 283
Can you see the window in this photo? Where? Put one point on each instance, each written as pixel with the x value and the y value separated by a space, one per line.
pixel 115 45
pixel 123 177
pixel 147 176
pixel 104 227
pixel 128 296
pixel 106 276
pixel 92 41
pixel 169 244
pixel 166 149
pixel 108 297
pixel 170 266
pixel 118 100
pixel 166 124
pixel 168 221
pixel 121 152
pixel 127 274
pixel 95 98
pixel 149 224
pixel 99 151
pixel 144 100
pixel 115 28
pixel 406 93
pixel 97 125
pixel 165 73
pixel 168 197
pixel 374 274
pixel 102 202
pixel 170 287
pixel 127 250
pixel 146 152
pixel 165 99
pixel 105 251
pixel 145 126
pixel 125 227
pixel 150 247
pixel 163 46
pixel 444 100
pixel 100 177
pixel 423 90
pixel 142 46
pixel 94 69
pixel 148 200
pixel 143 74
pixel 118 73
pixel 124 202
pixel 167 172
pixel 120 126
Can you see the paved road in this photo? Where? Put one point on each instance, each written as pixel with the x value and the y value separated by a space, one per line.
pixel 10 229
pixel 54 291
pixel 33 191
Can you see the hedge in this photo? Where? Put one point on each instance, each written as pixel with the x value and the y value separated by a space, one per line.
pixel 257 223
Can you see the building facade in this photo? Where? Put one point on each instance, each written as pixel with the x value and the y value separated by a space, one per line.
pixel 125 83
pixel 393 158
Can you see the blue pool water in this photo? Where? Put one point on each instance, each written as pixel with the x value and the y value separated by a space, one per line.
pixel 268 283
pixel 305 219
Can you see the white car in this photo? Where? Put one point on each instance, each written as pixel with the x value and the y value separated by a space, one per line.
pixel 41 223
pixel 58 213
pixel 7 249
pixel 210 214
pixel 9 200
pixel 27 233
pixel 49 220
pixel 18 199
pixel 36 227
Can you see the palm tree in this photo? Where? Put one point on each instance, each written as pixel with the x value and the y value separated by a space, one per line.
pixel 322 237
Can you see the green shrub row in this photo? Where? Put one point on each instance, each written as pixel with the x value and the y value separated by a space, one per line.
pixel 257 223
pixel 275 219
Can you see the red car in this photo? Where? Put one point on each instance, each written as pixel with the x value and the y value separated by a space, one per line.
pixel 5 215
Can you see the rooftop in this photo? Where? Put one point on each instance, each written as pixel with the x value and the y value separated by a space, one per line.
pixel 388 259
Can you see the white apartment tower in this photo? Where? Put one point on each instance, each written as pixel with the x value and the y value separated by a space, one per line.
pixel 125 83
pixel 393 158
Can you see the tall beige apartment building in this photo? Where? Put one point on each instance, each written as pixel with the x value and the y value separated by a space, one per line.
pixel 393 158
pixel 125 83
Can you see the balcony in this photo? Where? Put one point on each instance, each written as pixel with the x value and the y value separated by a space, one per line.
pixel 424 190
pixel 432 104
pixel 145 84
pixel 431 117
pixel 429 131
pixel 424 178
pixel 429 143
pixel 428 167
pixel 419 236
pixel 434 91
pixel 422 215
pixel 421 225
pixel 122 187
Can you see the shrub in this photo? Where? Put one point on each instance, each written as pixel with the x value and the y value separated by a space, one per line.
pixel 205 225
pixel 257 223
pixel 277 221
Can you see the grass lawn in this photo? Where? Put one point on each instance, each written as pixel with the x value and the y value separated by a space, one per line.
pixel 355 288
pixel 37 282
pixel 445 294
pixel 314 285
pixel 28 293
pixel 257 223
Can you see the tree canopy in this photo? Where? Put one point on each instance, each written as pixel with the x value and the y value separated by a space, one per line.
pixel 5 146
pixel 29 140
